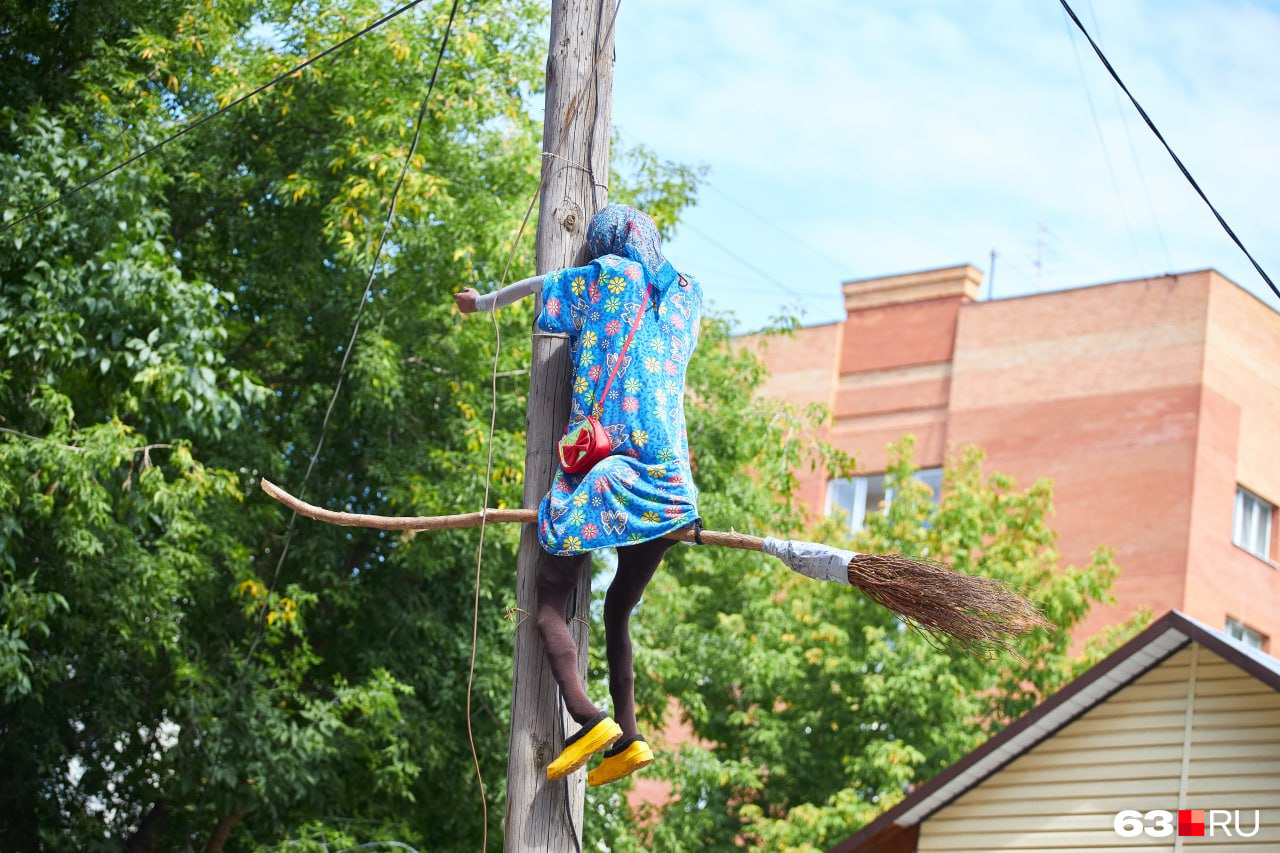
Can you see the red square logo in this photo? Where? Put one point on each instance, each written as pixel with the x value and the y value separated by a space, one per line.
pixel 1191 821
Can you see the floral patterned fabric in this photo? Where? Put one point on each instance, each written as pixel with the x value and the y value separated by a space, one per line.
pixel 626 232
pixel 646 488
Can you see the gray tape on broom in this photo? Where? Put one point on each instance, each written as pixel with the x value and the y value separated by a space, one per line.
pixel 812 560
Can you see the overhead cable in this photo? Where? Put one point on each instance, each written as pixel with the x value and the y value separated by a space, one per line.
pixel 1133 153
pixel 342 369
pixel 842 265
pixel 198 122
pixel 1185 173
pixel 737 256
pixel 1106 153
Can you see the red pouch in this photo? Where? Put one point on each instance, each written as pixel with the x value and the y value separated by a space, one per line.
pixel 583 447
pixel 588 443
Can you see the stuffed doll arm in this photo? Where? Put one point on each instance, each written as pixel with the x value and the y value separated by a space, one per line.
pixel 469 300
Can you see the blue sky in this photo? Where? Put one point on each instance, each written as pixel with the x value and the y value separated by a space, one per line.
pixel 856 138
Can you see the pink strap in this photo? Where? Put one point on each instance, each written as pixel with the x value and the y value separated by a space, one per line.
pixel 627 343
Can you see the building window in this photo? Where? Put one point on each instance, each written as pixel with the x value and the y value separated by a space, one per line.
pixel 859 496
pixel 1252 528
pixel 1237 630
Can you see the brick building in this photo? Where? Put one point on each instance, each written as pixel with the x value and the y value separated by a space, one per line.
pixel 1153 404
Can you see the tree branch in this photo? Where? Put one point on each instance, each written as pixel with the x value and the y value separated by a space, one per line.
pixel 975 614
pixel 741 541
pixel 222 831
pixel 76 449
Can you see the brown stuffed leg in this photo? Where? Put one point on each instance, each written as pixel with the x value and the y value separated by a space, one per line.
pixel 636 566
pixel 557 576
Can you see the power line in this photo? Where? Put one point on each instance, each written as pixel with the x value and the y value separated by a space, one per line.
pixel 1137 162
pixel 752 283
pixel 1160 136
pixel 785 288
pixel 190 127
pixel 342 369
pixel 844 267
pixel 1102 143
pixel 570 115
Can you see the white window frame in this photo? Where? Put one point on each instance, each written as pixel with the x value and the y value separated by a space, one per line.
pixel 1251 523
pixel 1250 637
pixel 862 487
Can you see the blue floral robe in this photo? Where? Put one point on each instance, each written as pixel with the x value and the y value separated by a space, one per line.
pixel 646 488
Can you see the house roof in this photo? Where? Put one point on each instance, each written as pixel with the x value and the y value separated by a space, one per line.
pixel 1162 638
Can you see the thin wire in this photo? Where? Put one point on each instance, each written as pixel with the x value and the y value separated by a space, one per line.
pixel 190 127
pixel 1137 162
pixel 744 262
pixel 475 607
pixel 342 370
pixel 586 169
pixel 1185 173
pixel 844 267
pixel 493 416
pixel 595 118
pixel 568 812
pixel 488 473
pixel 806 297
pixel 1102 143
pixel 574 831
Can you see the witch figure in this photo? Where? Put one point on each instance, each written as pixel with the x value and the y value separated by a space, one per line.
pixel 624 479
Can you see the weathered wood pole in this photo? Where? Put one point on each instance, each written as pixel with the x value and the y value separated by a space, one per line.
pixel 575 136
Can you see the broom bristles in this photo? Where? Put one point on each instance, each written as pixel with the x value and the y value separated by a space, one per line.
pixel 976 614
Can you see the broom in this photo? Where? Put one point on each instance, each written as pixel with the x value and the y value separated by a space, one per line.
pixel 975 614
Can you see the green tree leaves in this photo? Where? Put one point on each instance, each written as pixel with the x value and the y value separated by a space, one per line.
pixel 173 333
pixel 821 708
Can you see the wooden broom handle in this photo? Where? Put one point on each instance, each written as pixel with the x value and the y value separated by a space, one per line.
pixel 740 541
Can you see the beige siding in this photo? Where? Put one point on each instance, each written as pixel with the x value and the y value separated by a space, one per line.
pixel 1128 754
pixel 1240 768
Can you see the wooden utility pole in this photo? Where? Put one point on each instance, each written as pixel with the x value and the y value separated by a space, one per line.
pixel 575 174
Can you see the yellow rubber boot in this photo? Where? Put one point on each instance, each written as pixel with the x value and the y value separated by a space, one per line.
pixel 595 735
pixel 626 757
